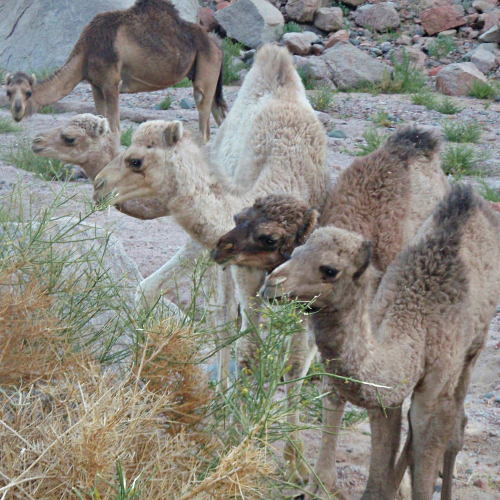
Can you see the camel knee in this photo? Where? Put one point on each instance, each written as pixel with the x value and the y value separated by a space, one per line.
pixel 198 96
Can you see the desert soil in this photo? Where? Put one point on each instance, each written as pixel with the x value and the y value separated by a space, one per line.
pixel 152 243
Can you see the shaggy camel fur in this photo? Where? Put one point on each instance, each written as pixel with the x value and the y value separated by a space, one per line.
pixel 279 146
pixel 420 335
pixel 86 140
pixel 385 196
pixel 144 48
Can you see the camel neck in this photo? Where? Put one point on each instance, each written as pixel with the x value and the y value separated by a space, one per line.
pixel 204 204
pixel 104 154
pixel 59 84
pixel 353 346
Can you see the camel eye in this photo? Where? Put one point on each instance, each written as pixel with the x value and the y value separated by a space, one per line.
pixel 135 164
pixel 267 241
pixel 69 140
pixel 328 272
pixel 28 94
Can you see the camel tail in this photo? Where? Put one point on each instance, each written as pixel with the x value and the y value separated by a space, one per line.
pixel 275 65
pixel 411 142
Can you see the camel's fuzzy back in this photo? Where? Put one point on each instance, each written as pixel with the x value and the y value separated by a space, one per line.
pixel 272 77
pixel 388 194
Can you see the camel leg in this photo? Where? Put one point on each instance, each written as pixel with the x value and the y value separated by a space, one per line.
pixel 324 476
pixel 456 441
pixel 432 423
pixel 385 439
pixel 302 351
pixel 204 86
pixel 247 282
pixel 111 98
pixel 100 104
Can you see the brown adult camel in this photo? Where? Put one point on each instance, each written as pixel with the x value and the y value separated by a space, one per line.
pixel 144 48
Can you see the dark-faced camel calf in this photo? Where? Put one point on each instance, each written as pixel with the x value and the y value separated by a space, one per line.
pixel 144 48
pixel 420 336
pixel 385 196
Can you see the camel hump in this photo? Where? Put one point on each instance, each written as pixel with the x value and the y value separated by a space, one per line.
pixel 275 66
pixel 411 142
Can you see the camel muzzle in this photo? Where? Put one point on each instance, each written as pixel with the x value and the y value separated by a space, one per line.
pixel 219 254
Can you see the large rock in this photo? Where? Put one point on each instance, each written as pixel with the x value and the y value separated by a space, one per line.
pixel 350 67
pixel 353 3
pixel 302 10
pixel 329 19
pixel 300 43
pixel 492 35
pixel 491 19
pixel 484 5
pixel 440 19
pixel 483 60
pixel 380 17
pixel 417 57
pixel 431 4
pixel 251 22
pixel 457 79
pixel 317 69
pixel 40 34
pixel 333 39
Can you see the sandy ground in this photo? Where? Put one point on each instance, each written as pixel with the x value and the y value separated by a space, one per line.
pixel 152 243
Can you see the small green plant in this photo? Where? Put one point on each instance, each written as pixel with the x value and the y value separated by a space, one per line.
pixel 483 90
pixel 7 126
pixel 447 106
pixel 47 110
pixel 488 193
pixel 126 137
pixel 373 139
pixel 166 102
pixel 406 78
pixel 462 131
pixel 424 98
pixel 461 159
pixel 345 10
pixel 381 119
pixel 353 416
pixel 22 157
pixel 322 98
pixel 292 27
pixel 185 82
pixel 231 68
pixel 307 81
pixel 442 46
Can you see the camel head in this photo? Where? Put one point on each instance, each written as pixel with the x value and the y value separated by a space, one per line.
pixel 19 91
pixel 83 141
pixel 330 268
pixel 144 170
pixel 266 233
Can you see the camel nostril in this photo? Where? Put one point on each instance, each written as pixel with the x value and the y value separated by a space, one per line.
pixel 98 185
pixel 37 139
pixel 228 246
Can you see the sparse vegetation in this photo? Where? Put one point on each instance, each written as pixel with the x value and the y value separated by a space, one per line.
pixel 7 126
pixel 484 90
pixel 230 65
pixel 461 159
pixel 488 193
pixel 322 98
pixel 406 78
pixel 22 157
pixel 381 119
pixel 374 139
pixel 443 105
pixel 42 73
pixel 166 102
pixel 47 110
pixel 292 27
pixel 307 81
pixel 185 82
pixel 464 131
pixel 126 137
pixel 441 46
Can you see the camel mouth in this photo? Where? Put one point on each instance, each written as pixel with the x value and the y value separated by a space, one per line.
pixel 219 258
pixel 37 149
pixel 17 118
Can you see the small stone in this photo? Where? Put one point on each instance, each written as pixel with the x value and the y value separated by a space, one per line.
pixel 492 35
pixel 483 60
pixel 437 488
pixel 300 43
pixel 447 33
pixel 379 17
pixel 317 49
pixel 484 5
pixel 186 103
pixel 488 395
pixel 338 134
pixel 404 40
pixel 248 54
pixel 470 471
pixel 354 42
pixel 302 10
pixel 473 35
pixel 340 36
pixel 386 47
pixel 481 483
pixel 435 71
pixel 329 19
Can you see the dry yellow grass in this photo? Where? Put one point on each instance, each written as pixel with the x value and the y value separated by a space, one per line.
pixel 69 427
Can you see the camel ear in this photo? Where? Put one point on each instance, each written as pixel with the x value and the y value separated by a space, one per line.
pixel 102 127
pixel 363 258
pixel 8 78
pixel 308 225
pixel 173 133
pixel 32 79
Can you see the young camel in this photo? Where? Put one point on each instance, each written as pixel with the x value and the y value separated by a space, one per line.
pixel 144 48
pixel 281 147
pixel 385 196
pixel 420 335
